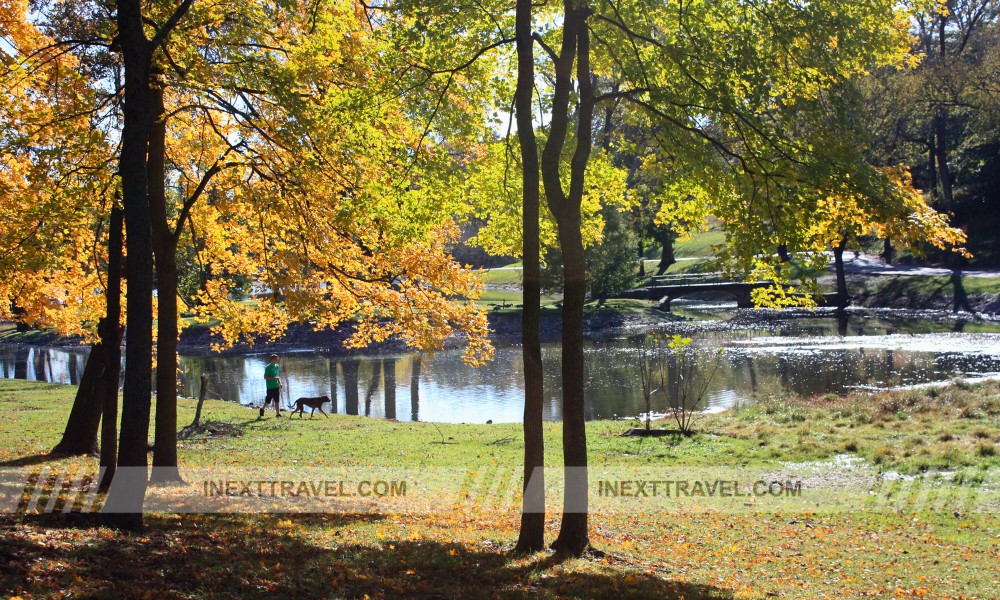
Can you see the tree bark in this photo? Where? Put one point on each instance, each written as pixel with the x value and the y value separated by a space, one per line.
pixel 940 132
pixel 843 299
pixel 665 238
pixel 573 535
pixel 531 537
pixel 80 435
pixel 123 507
pixel 113 364
pixel 202 392
pixel 887 251
pixel 165 253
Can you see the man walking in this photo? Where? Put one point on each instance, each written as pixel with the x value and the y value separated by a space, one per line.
pixel 273 384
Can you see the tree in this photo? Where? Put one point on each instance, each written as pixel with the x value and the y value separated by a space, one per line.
pixel 531 535
pixel 937 114
pixel 124 502
pixel 258 89
pixel 718 80
pixel 57 187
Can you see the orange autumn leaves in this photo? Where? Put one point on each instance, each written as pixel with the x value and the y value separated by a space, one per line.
pixel 330 205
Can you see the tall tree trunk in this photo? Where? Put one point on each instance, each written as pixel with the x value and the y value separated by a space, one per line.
pixel 932 166
pixel 165 253
pixel 573 535
pixel 665 238
pixel 887 250
pixel 531 537
pixel 940 132
pixel 128 491
pixel 113 364
pixel 843 299
pixel 642 256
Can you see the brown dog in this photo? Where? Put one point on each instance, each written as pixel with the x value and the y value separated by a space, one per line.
pixel 313 403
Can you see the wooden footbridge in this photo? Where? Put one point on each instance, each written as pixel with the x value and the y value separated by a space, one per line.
pixel 664 289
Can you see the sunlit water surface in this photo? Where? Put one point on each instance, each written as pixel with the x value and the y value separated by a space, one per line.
pixel 800 356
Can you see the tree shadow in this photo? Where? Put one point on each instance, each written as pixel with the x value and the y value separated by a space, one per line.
pixel 236 556
pixel 35 459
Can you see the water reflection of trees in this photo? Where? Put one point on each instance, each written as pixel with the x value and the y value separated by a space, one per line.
pixel 415 387
pixel 54 365
pixel 389 387
pixel 459 393
pixel 351 368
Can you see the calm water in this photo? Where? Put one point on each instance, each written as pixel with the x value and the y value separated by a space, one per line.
pixel 803 356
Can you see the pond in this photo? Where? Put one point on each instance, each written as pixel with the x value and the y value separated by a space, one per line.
pixel 729 364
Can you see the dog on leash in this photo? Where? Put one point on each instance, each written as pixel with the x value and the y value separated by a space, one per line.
pixel 313 403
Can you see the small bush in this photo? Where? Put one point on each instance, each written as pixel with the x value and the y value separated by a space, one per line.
pixel 970 412
pixel 882 454
pixel 986 449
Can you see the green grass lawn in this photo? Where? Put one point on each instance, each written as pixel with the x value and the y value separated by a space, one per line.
pixel 899 550
pixel 506 275
pixel 698 245
pixel 903 285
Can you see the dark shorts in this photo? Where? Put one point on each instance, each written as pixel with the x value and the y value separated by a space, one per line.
pixel 272 395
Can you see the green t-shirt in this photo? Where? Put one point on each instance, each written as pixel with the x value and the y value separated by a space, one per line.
pixel 272 371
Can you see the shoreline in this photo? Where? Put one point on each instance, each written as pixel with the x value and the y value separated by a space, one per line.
pixel 599 324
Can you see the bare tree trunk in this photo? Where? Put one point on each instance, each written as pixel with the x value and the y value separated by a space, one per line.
pixel 113 364
pixel 573 535
pixel 843 299
pixel 165 253
pixel 887 251
pixel 202 392
pixel 665 238
pixel 531 537
pixel 123 507
pixel 932 166
pixel 80 435
pixel 940 132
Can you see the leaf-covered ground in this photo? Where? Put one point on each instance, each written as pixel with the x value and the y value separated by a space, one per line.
pixel 659 554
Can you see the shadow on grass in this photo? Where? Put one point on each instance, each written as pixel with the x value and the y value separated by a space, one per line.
pixel 238 556
pixel 35 459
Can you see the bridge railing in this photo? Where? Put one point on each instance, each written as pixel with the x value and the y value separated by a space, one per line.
pixel 689 279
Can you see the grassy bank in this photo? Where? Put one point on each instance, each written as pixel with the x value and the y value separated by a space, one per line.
pixel 695 554
pixel 922 291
